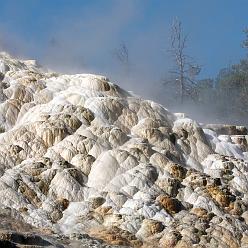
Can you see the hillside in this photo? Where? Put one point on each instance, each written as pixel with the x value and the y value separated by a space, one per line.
pixel 80 155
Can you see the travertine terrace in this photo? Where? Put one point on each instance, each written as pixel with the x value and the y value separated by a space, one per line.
pixel 80 155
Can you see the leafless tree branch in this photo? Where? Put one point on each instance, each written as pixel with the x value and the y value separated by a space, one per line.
pixel 185 72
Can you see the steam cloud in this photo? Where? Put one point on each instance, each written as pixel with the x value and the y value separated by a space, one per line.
pixel 84 40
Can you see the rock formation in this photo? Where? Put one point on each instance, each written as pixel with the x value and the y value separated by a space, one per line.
pixel 80 155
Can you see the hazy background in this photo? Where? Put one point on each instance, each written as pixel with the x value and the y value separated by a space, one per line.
pixel 81 36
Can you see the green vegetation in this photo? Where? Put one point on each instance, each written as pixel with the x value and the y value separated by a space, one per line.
pixel 224 98
pixel 227 95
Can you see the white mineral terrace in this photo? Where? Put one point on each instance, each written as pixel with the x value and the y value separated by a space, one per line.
pixel 78 154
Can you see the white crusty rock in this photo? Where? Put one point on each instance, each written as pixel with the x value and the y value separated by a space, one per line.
pixel 79 155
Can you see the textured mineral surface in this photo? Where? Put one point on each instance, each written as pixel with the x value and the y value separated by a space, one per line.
pixel 82 160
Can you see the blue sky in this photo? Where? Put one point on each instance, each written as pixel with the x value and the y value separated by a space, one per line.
pixel 81 35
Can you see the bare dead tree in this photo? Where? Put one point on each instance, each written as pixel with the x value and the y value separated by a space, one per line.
pixel 122 55
pixel 184 72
